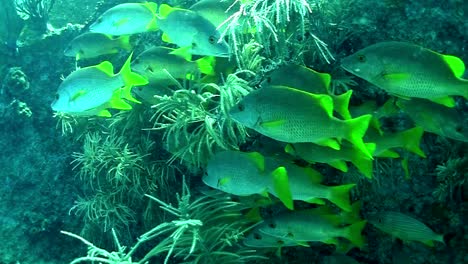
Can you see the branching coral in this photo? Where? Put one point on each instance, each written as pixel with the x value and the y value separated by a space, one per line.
pixel 451 177
pixel 196 121
pixel 270 23
pixel 35 10
pixel 203 231
pixel 117 174
pixel 105 209
pixel 111 157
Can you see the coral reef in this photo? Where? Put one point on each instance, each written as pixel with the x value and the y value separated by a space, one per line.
pixel 128 188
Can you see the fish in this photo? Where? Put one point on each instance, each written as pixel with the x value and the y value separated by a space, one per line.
pixel 90 45
pixel 127 19
pixel 186 28
pixel 410 71
pixel 258 239
pixel 306 226
pixel 299 77
pixel 149 93
pixel 404 227
pixel 215 11
pixel 308 80
pixel 92 90
pixel 161 65
pixel 225 173
pixel 294 116
pixel 243 173
pixel 314 153
pixel 378 111
pixel 409 140
pixel 435 118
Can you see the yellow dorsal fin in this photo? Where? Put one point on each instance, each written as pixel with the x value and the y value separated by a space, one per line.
pixel 106 67
pixel 326 102
pixel 153 7
pixel 455 64
pixel 165 10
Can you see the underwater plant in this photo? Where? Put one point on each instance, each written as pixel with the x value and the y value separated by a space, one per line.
pixel 117 175
pixel 205 230
pixel 36 11
pixel 271 23
pixel 196 121
pixel 451 177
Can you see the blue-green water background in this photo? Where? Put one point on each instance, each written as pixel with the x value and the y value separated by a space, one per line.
pixel 38 186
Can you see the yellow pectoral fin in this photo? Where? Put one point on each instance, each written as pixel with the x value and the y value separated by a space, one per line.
pixel 224 181
pixel 121 21
pixel 396 77
pixel 78 95
pixel 273 124
pixel 190 76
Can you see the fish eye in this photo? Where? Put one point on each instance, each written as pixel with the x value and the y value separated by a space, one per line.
pixel 241 107
pixel 268 79
pixel 361 58
pixel 280 242
pixel 272 225
pixel 257 236
pixel 212 39
pixel 99 20
pixel 57 96
pixel 194 45
pixel 290 234
pixel 459 128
